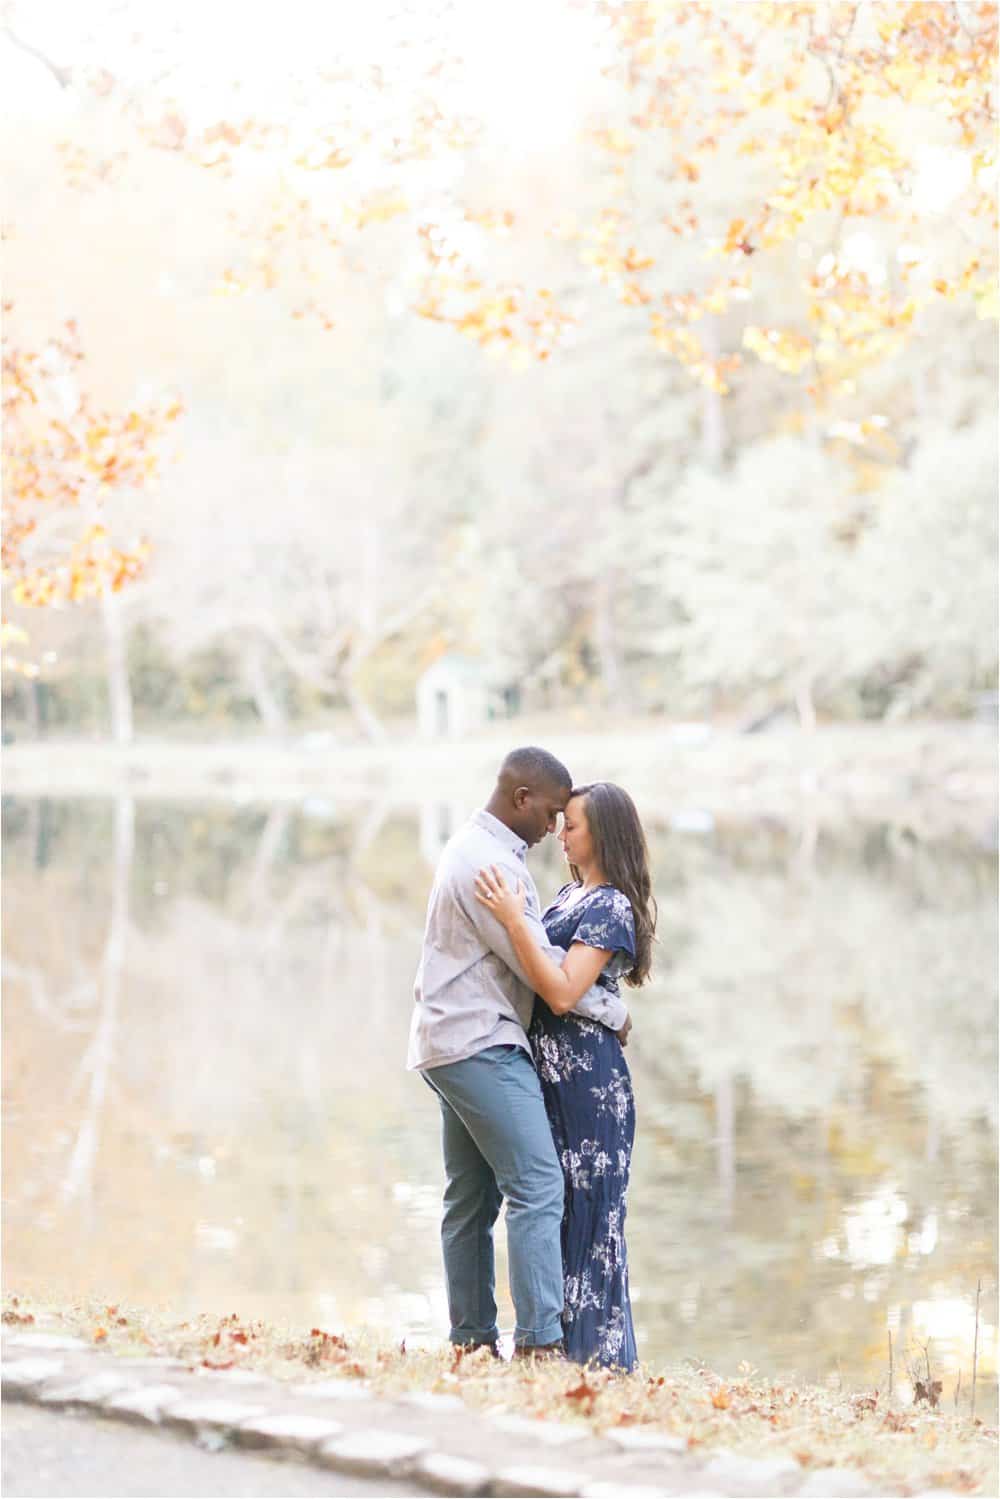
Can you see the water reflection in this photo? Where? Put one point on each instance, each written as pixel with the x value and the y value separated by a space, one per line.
pixel 205 1022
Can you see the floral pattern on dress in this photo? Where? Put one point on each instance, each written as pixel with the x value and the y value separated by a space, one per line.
pixel 615 1098
pixel 588 1098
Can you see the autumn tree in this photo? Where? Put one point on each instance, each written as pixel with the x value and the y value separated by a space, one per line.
pixel 64 457
pixel 839 118
pixel 773 220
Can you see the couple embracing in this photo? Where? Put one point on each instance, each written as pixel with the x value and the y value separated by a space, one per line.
pixel 519 1028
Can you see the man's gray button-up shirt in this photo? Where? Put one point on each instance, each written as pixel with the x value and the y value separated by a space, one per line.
pixel 470 989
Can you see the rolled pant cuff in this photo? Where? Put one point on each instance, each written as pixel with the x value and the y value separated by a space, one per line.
pixel 538 1339
pixel 465 1337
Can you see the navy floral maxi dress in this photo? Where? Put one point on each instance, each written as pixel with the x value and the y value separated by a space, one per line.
pixel 587 1089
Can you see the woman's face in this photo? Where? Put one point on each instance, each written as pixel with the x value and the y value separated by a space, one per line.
pixel 575 834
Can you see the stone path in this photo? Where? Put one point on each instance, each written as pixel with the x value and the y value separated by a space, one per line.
pixel 433 1442
pixel 50 1454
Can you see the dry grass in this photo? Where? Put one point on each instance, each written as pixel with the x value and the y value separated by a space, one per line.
pixel 907 1448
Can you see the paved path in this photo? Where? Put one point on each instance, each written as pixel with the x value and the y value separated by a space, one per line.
pixel 64 1456
pixel 368 1444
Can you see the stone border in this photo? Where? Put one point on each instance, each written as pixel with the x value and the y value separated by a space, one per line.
pixel 433 1441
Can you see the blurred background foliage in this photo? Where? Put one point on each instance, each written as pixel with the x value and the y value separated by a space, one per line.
pixel 645 354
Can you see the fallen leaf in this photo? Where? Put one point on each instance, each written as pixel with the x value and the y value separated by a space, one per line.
pixel 332 1339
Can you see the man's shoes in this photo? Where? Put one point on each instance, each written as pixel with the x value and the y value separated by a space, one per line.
pixel 543 1351
pixel 461 1349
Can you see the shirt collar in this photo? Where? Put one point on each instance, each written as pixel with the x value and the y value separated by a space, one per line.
pixel 500 831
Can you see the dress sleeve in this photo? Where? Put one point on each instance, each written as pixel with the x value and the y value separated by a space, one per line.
pixel 608 922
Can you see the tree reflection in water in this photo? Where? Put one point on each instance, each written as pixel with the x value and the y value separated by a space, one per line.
pixel 97 1061
pixel 206 1015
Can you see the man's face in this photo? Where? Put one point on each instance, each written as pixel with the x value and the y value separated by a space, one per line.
pixel 538 811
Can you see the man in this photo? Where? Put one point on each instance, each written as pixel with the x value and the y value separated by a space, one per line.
pixel 468 1038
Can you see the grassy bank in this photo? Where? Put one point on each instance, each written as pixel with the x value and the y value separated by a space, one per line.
pixel 906 1447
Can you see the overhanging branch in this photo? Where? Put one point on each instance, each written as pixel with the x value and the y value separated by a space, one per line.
pixel 63 76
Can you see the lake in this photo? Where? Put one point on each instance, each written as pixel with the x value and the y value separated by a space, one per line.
pixel 206 1107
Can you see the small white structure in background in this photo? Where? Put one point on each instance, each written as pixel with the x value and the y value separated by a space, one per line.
pixel 456 697
pixel 690 735
pixel 692 820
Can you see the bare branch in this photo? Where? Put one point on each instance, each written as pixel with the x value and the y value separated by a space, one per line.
pixel 63 76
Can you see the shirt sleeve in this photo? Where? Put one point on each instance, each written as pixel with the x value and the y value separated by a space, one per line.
pixel 597 1004
pixel 600 1004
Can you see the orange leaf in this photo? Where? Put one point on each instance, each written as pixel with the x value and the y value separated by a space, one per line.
pixel 720 1399
pixel 583 1391
pixel 100 1334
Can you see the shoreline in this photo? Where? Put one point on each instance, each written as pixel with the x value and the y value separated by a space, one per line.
pixel 935 778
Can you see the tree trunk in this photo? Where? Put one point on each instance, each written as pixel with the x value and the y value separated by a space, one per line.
pixel 367 719
pixel 805 857
pixel 606 641
pixel 367 634
pixel 268 846
pixel 804 702
pixel 119 690
pixel 713 435
pixel 269 706
pixel 368 603
pixel 724 1146
pixel 933 1139
pixel 99 1058
pixel 34 712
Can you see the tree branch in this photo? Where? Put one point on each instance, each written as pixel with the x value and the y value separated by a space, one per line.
pixel 63 76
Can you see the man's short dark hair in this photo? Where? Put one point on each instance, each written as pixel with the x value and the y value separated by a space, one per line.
pixel 531 766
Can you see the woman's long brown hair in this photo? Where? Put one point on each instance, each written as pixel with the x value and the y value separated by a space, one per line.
pixel 620 850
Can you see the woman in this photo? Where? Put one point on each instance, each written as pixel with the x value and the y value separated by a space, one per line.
pixel 605 920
